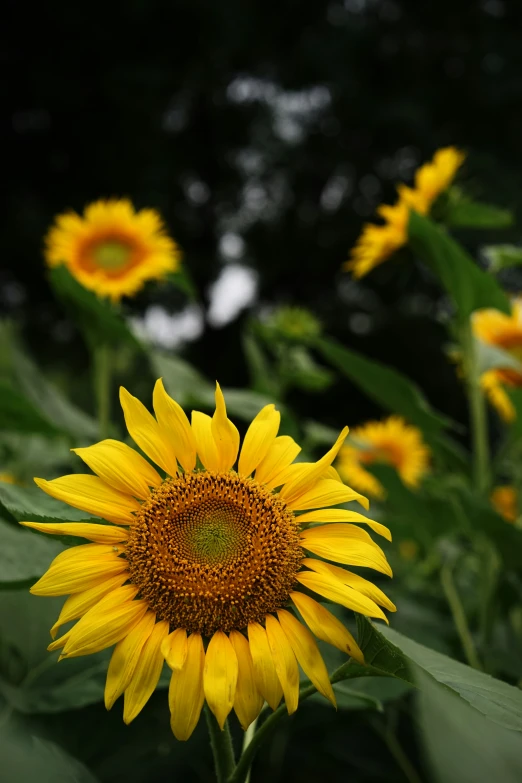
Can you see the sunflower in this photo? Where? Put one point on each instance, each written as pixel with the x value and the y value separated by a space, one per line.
pixel 505 500
pixel 389 442
pixel 505 332
pixel 377 243
pixel 112 249
pixel 206 566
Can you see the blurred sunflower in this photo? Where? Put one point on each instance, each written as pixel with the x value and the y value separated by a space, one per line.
pixel 389 442
pixel 505 500
pixel 112 249
pixel 205 568
pixel 505 332
pixel 377 243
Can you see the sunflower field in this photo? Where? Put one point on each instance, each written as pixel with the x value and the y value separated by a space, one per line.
pixel 261 399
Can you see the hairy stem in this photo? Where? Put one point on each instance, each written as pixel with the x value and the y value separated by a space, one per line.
pixel 222 749
pixel 477 409
pixel 459 616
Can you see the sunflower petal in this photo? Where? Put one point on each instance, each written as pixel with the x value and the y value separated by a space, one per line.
pixel 92 494
pixel 346 544
pixel 174 649
pixel 186 695
pixel 284 662
pixel 280 455
pixel 259 437
pixel 79 603
pixel 342 515
pixel 74 577
pixel 334 590
pixel 205 443
pixel 301 485
pixel 175 426
pixel 225 433
pixel 84 552
pixel 248 702
pixel 220 676
pixel 358 583
pixel 265 674
pixel 101 534
pixel 307 653
pixel 146 433
pixel 326 626
pixel 121 467
pixel 146 674
pixel 125 657
pixel 326 492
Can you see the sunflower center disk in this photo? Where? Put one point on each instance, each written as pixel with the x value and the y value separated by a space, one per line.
pixel 111 254
pixel 214 551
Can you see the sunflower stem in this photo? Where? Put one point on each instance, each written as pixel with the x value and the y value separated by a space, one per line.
pixel 477 409
pixel 459 616
pixel 102 387
pixel 222 748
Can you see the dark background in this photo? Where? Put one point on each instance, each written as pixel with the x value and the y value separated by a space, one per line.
pixel 284 123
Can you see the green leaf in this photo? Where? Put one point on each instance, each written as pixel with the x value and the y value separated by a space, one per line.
pixel 384 385
pixel 18 414
pixel 468 285
pixel 24 556
pixel 262 376
pixel 49 400
pixel 99 319
pixel 31 504
pixel 390 652
pixel 502 256
pixel 466 213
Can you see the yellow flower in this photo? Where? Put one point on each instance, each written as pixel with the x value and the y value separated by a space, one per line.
pixel 112 249
pixel 505 332
pixel 389 442
pixel 505 501
pixel 206 564
pixel 377 243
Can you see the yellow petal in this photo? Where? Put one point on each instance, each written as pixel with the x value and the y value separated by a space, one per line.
pixel 280 455
pixel 101 534
pixel 186 695
pixel 146 674
pixel 121 467
pixel 352 580
pixel 334 590
pixel 326 492
pixel 85 552
pixel 175 426
pixel 79 603
pixel 220 676
pixel 205 443
pixel 125 657
pixel 284 662
pixel 59 643
pixel 307 653
pixel 326 626
pixel 342 515
pixel 345 544
pixel 225 433
pixel 265 674
pixel 301 485
pixel 146 433
pixel 259 438
pixel 101 628
pixel 248 701
pixel 174 649
pixel 73 577
pixel 92 494
pixel 331 473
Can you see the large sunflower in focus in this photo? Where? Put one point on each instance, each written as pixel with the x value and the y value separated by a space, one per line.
pixel 209 563
pixel 390 442
pixel 505 332
pixel 112 249
pixel 377 243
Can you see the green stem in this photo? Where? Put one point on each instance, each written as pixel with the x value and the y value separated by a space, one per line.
pixel 459 617
pixel 344 672
pixel 249 735
pixel 477 407
pixel 222 749
pixel 102 387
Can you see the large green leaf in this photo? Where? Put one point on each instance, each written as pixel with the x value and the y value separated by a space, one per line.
pixel 18 414
pixel 469 286
pixel 386 386
pixel 100 320
pixel 31 504
pixel 389 652
pixel 463 212
pixel 24 556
